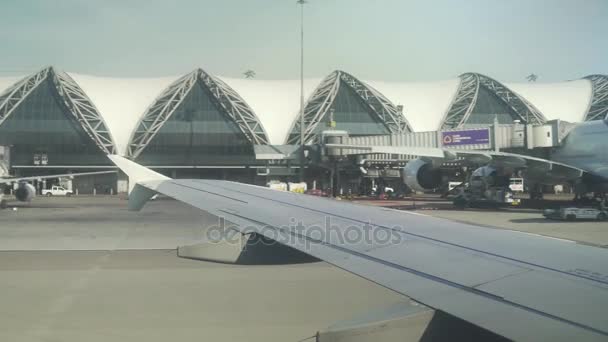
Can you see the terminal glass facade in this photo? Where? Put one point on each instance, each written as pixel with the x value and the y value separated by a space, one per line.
pixel 351 114
pixel 488 107
pixel 42 131
pixel 197 133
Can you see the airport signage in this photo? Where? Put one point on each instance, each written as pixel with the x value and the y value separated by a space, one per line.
pixel 466 137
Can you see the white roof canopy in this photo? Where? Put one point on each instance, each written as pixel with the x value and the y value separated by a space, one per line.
pixel 275 102
pixel 123 101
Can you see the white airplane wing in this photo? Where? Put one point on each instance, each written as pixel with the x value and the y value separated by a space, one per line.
pixel 65 175
pixel 523 287
pixel 547 167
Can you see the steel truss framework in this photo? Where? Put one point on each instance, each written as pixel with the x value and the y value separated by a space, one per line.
pixel 70 96
pixel 223 97
pixel 598 106
pixel 466 98
pixel 322 99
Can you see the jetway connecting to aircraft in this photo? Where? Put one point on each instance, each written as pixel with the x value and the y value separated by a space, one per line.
pixel 346 169
pixel 517 138
pixel 494 137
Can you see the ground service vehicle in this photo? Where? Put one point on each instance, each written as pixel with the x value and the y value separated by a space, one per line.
pixel 574 213
pixel 516 184
pixel 57 191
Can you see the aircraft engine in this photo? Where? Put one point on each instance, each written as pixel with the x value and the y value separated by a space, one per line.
pixel 421 175
pixel 26 192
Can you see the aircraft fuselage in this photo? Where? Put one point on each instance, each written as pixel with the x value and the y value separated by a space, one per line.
pixel 586 147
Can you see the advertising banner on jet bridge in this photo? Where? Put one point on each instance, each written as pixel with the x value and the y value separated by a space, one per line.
pixel 466 137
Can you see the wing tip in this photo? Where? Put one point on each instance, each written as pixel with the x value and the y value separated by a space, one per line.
pixel 136 172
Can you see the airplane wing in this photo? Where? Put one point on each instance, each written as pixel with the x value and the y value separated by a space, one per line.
pixel 65 175
pixel 546 167
pixel 521 286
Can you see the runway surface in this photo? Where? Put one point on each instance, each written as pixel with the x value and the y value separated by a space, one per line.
pixel 119 279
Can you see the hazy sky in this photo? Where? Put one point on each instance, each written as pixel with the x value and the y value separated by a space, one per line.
pixel 373 39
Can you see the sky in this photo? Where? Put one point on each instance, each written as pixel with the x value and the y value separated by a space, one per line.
pixel 391 40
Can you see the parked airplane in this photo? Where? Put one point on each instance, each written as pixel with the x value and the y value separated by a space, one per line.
pixel 519 286
pixel 26 191
pixel 582 159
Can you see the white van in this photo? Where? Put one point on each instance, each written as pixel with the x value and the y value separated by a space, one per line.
pixel 516 184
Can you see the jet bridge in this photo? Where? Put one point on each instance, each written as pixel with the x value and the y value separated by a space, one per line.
pixel 471 137
pixel 336 167
pixel 501 137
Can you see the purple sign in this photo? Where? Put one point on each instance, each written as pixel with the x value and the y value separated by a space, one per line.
pixel 465 137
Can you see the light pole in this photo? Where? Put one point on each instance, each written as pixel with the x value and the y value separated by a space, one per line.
pixel 302 157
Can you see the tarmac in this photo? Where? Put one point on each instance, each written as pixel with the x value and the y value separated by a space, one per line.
pixel 85 268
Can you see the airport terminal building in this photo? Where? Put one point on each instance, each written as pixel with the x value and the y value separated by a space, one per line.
pixel 204 126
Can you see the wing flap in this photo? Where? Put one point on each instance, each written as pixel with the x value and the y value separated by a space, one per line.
pixel 571 300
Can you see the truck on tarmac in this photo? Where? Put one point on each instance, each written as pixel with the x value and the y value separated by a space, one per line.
pixel 57 191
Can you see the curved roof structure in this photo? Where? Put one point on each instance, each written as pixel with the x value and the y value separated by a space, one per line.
pixel 225 98
pixel 122 114
pixel 468 96
pixel 323 98
pixel 598 107
pixel 73 98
